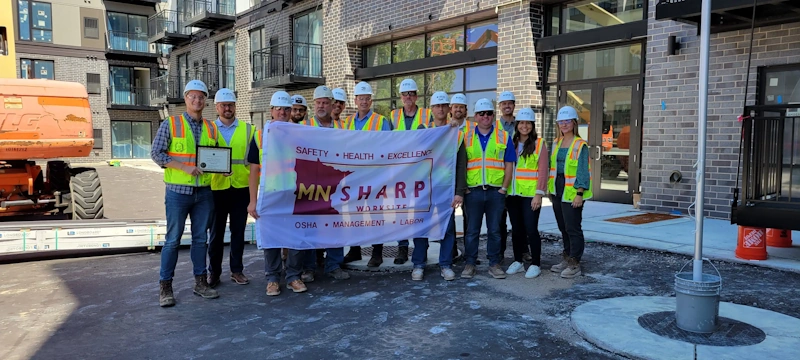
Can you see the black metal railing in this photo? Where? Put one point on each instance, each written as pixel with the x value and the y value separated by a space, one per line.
pixel 128 41
pixel 197 7
pixel 296 58
pixel 165 87
pixel 166 21
pixel 128 95
pixel 214 76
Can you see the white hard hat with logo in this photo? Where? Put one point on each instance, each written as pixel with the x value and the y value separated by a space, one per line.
pixel 484 105
pixel 280 99
pixel 458 99
pixel 224 95
pixel 526 114
pixel 567 113
pixel 322 92
pixel 363 88
pixel 339 94
pixel 440 98
pixel 195 85
pixel 506 96
pixel 299 100
pixel 408 85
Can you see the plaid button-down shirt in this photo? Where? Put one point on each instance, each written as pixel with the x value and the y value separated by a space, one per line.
pixel 161 146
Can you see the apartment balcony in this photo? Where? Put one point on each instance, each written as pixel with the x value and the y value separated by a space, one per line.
pixel 125 45
pixel 166 27
pixel 730 15
pixel 292 66
pixel 168 89
pixel 129 98
pixel 209 14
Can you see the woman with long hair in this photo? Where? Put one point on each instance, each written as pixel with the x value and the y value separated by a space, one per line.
pixel 569 185
pixel 525 198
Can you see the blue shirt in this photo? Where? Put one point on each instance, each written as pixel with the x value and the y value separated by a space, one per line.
pixel 582 177
pixel 227 131
pixel 161 146
pixel 510 154
pixel 361 122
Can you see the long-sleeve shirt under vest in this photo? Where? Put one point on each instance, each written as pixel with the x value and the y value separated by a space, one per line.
pixel 543 166
pixel 160 149
pixel 583 177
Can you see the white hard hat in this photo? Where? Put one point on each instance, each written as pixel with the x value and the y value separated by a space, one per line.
pixel 506 96
pixel 525 114
pixel 458 99
pixel 439 98
pixel 339 94
pixel 299 100
pixel 408 85
pixel 363 88
pixel 224 95
pixel 280 99
pixel 484 105
pixel 323 91
pixel 567 113
pixel 195 85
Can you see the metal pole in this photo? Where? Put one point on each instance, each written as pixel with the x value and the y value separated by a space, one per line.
pixel 705 35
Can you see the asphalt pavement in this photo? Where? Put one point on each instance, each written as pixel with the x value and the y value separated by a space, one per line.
pixel 131 193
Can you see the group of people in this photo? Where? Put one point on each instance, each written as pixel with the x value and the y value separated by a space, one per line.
pixel 503 169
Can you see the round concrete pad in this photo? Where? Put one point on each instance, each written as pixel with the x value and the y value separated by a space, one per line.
pixel 612 324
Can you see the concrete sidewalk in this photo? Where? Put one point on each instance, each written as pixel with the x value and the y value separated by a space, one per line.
pixel 675 236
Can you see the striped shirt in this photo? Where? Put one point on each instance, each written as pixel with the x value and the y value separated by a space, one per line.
pixel 161 146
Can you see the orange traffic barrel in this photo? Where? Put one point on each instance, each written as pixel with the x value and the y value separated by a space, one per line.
pixel 779 238
pixel 752 243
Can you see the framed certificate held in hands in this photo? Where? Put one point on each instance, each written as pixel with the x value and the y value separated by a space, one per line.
pixel 214 159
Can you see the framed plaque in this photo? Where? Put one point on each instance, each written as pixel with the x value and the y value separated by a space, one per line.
pixel 212 159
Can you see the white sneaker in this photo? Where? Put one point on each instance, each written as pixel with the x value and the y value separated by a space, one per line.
pixel 515 267
pixel 417 273
pixel 533 271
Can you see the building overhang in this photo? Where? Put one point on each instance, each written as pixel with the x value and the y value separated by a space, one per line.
pixel 730 15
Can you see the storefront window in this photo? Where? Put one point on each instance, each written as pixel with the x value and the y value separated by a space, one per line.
pixel 592 14
pixel 592 64
pixel 446 42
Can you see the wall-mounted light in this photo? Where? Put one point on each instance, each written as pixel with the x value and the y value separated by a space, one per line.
pixel 673 45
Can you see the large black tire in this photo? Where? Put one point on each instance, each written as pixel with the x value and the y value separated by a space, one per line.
pixel 86 195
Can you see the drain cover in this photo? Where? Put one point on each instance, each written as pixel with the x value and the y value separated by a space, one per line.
pixel 729 332
pixel 388 251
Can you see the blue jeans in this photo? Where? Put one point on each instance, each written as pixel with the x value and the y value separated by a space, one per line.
pixel 491 203
pixel 445 247
pixel 199 207
pixel 333 259
pixel 309 260
pixel 273 265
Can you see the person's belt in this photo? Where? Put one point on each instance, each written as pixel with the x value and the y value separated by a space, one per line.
pixel 484 187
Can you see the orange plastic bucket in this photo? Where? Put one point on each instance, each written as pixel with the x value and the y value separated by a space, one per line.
pixel 779 238
pixel 752 243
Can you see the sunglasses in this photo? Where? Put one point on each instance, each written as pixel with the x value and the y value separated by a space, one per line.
pixel 409 93
pixel 485 113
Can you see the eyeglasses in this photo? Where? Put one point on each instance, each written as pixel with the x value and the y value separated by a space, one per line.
pixel 228 105
pixel 485 113
pixel 196 97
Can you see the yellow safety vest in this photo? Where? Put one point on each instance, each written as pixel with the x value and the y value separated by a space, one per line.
pixel 485 167
pixel 526 173
pixel 313 122
pixel 183 148
pixel 260 150
pixel 421 118
pixel 374 123
pixel 570 170
pixel 240 147
pixel 500 125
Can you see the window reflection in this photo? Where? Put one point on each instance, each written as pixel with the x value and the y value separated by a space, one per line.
pixel 781 87
pixel 409 49
pixel 482 77
pixel 588 14
pixel 448 81
pixel 446 42
pixel 617 61
pixel 483 35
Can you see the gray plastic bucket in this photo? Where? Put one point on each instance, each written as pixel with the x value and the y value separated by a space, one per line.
pixel 697 302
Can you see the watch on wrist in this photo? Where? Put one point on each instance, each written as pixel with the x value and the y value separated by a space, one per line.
pixel 580 193
pixel 504 189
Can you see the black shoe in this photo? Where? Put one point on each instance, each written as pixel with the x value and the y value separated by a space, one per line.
pixel 377 256
pixel 402 255
pixel 353 255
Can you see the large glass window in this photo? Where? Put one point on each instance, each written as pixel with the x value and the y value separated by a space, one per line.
pixel 35 21
pixel 482 35
pixel 226 53
pixel 36 69
pixel 781 87
pixel 127 32
pixel 446 42
pixel 409 49
pixel 307 47
pixel 380 54
pixel 592 64
pixel 593 14
pixel 130 139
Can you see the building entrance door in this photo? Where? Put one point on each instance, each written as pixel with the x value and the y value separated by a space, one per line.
pixel 610 121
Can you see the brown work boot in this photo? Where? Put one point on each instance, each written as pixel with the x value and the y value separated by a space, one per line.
pixel 273 289
pixel 377 256
pixel 307 276
pixel 560 266
pixel 201 288
pixel 165 296
pixel 497 272
pixel 572 270
pixel 339 274
pixel 297 286
pixel 353 255
pixel 213 280
pixel 469 272
pixel 402 255
pixel 238 278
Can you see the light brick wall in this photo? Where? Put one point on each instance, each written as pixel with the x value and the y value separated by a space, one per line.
pixel 670 135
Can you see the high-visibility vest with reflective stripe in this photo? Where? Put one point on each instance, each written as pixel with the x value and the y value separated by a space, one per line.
pixel 240 147
pixel 570 170
pixel 183 149
pixel 499 123
pixel 313 122
pixel 526 173
pixel 374 123
pixel 421 118
pixel 485 167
